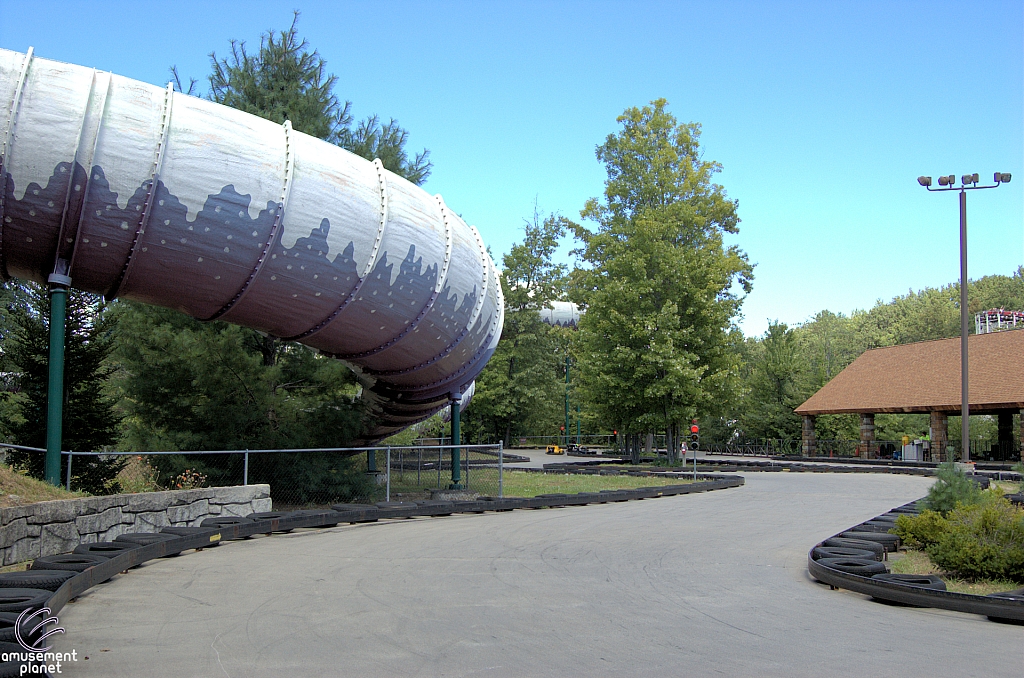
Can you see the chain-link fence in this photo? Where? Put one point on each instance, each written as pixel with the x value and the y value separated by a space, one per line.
pixel 297 478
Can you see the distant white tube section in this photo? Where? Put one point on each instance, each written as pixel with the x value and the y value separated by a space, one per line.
pixel 140 192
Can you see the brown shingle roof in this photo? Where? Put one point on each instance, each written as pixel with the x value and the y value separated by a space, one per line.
pixel 925 376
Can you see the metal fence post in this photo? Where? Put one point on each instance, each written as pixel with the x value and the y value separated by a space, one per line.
pixel 245 470
pixel 388 491
pixel 419 465
pixel 70 455
pixel 501 469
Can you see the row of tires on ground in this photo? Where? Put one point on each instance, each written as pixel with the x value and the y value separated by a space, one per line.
pixel 53 580
pixel 856 559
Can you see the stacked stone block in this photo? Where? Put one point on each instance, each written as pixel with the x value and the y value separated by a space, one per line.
pixel 51 527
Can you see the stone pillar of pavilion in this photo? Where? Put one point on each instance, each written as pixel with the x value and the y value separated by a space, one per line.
pixel 809 440
pixel 938 428
pixel 867 436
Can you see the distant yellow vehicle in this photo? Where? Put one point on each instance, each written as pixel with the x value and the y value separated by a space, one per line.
pixel 555 449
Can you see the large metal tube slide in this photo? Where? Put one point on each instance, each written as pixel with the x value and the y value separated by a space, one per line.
pixel 137 192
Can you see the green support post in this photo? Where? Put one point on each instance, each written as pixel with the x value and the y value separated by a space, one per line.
pixel 577 424
pixel 456 439
pixel 567 430
pixel 55 390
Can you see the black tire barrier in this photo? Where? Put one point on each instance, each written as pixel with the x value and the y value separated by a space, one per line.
pixel 78 562
pixel 914 590
pixel 820 552
pixel 14 668
pixel 877 549
pixel 145 538
pixel 860 566
pixel 226 521
pixel 18 600
pixel 35 579
pixel 104 548
pixel 923 581
pixel 396 504
pixel 436 508
pixel 1016 594
pixel 8 622
pixel 877 528
pixel 890 541
pixel 268 515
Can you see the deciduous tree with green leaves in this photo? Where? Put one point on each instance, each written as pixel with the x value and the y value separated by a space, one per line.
pixel 659 286
pixel 522 388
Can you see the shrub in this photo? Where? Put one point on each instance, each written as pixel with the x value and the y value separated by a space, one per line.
pixel 982 541
pixel 951 487
pixel 922 530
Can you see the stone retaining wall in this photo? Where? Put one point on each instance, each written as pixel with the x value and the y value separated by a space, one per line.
pixel 51 527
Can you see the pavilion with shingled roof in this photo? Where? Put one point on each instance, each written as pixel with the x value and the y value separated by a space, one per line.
pixel 924 377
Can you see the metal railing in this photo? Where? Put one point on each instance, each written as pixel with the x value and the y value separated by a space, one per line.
pixel 300 477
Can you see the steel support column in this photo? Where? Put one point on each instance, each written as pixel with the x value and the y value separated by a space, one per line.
pixel 456 439
pixel 55 389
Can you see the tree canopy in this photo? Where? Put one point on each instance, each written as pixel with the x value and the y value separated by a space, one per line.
pixel 284 80
pixel 521 389
pixel 659 286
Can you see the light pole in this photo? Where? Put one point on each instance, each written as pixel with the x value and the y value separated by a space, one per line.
pixel 998 178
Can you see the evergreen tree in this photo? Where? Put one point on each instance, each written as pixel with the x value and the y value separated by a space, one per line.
pixel 89 419
pixel 284 80
pixel 187 385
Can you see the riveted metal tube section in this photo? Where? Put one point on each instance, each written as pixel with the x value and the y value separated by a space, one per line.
pixel 167 199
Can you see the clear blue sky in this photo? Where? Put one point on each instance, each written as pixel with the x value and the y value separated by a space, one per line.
pixel 822 113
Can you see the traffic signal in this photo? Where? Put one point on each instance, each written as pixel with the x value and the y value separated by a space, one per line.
pixel 694 436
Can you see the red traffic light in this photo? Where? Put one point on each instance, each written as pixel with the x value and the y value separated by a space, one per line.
pixel 694 429
pixel 562 429
pixel 614 432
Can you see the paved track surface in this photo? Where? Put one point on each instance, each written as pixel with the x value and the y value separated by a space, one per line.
pixel 694 585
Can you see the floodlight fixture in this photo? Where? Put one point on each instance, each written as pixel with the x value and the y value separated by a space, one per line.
pixel 944 181
pixel 927 181
pixel 968 179
pixel 1001 177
